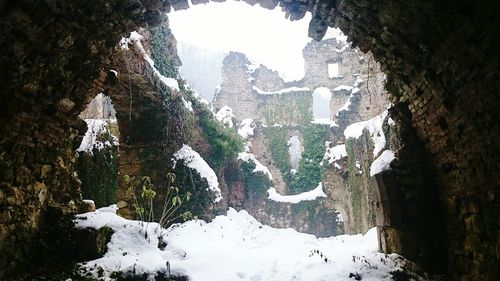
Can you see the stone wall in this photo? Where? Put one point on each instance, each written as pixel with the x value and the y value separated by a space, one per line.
pixel 261 94
pixel 445 79
pixel 52 54
pixel 237 83
pixel 356 69
pixel 441 59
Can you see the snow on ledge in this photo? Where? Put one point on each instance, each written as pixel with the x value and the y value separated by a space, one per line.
pixel 282 91
pixel 374 126
pixel 136 38
pixel 194 161
pixel 294 199
pixel 259 167
pixel 382 163
pixel 325 121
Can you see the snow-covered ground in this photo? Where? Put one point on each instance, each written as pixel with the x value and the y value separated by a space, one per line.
pixel 236 247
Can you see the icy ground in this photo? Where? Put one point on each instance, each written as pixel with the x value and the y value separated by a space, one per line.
pixel 237 247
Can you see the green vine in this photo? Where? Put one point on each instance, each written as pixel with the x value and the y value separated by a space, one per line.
pixel 289 109
pixel 256 184
pixel 160 50
pixel 309 173
pixel 225 142
pixel 277 143
pixel 99 173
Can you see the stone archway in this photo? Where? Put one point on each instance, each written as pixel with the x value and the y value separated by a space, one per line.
pixel 440 57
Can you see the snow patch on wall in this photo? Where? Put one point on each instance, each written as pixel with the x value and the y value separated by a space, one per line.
pixel 346 106
pixel 187 104
pixel 225 116
pixel 295 151
pixel 333 154
pixel 246 128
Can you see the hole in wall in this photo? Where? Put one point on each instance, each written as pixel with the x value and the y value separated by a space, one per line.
pixel 97 164
pixel 286 144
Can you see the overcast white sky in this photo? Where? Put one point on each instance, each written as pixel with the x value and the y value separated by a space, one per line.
pixel 265 36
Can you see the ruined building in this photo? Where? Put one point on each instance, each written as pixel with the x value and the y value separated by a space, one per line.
pixel 438 205
pixel 283 115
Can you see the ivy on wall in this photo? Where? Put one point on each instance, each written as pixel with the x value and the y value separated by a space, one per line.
pixel 225 142
pixel 98 173
pixel 161 51
pixel 309 173
pixel 189 180
pixel 289 109
pixel 256 184
pixel 277 144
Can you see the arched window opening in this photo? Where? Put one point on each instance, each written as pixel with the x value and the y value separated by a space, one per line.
pixel 97 164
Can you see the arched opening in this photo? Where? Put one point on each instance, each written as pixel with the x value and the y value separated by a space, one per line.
pixel 439 85
pixel 281 193
pixel 321 103
pixel 97 165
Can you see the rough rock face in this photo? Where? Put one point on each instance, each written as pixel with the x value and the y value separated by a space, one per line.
pixel 441 59
pixel 52 55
